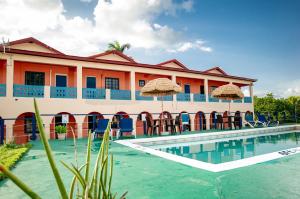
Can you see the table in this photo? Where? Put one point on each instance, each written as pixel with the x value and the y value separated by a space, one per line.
pixel 162 123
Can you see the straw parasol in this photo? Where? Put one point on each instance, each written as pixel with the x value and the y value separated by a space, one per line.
pixel 228 92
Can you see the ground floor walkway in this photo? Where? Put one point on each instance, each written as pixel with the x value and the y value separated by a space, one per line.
pixel 145 176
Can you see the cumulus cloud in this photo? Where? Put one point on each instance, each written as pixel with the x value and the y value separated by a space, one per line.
pixel 130 21
pixel 184 46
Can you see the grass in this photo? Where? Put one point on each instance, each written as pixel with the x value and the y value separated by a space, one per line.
pixel 10 154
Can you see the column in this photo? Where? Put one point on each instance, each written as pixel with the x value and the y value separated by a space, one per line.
pixel 206 89
pixel 207 117
pixel 132 84
pixel 251 95
pixel 47 124
pixel 9 76
pixel 9 124
pixel 79 82
pixel 192 117
pixel 173 78
pixel 79 121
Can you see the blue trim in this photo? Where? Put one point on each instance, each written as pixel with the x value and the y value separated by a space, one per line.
pixel 63 92
pixel 120 94
pixel 21 90
pixel 183 97
pixel 139 97
pixel 2 90
pixel 199 97
pixel 237 101
pixel 212 99
pixel 93 93
pixel 247 99
pixel 165 98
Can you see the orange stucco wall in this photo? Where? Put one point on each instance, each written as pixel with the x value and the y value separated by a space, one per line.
pixel 194 83
pixel 124 77
pixel 146 77
pixel 21 67
pixel 215 83
pixel 2 71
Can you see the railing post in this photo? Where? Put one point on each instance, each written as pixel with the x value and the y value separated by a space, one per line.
pixel 1 131
pixel 107 94
pixel 33 136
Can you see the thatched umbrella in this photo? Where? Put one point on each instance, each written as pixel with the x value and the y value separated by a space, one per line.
pixel 228 92
pixel 160 87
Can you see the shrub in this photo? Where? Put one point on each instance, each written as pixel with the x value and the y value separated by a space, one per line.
pixel 60 129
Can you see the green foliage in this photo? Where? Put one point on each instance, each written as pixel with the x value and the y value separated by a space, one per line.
pixel 60 129
pixel 269 103
pixel 10 154
pixel 117 46
pixel 97 185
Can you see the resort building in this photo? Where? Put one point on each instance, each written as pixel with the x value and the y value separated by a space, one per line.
pixel 99 86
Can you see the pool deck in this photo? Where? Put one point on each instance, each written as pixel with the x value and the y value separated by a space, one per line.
pixel 146 176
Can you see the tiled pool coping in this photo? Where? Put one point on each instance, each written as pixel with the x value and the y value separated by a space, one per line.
pixel 137 144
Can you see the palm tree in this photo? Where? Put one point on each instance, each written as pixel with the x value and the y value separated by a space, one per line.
pixel 118 47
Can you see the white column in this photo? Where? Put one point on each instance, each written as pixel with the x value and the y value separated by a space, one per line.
pixel 46 92
pixel 107 94
pixel 243 119
pixel 207 117
pixel 9 77
pixel 192 117
pixel 79 82
pixel 47 123
pixel 132 84
pixel 174 81
pixel 79 121
pixel 251 95
pixel 206 89
pixel 9 124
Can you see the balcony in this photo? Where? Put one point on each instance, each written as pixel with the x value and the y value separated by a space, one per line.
pixel 21 90
pixel 226 101
pixel 212 99
pixel 144 98
pixel 93 93
pixel 2 90
pixel 199 97
pixel 237 101
pixel 120 94
pixel 165 98
pixel 183 97
pixel 248 100
pixel 63 92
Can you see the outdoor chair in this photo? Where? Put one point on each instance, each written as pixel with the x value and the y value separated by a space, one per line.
pixel 262 120
pixel 177 124
pixel 250 121
pixel 170 125
pixel 126 125
pixel 151 126
pixel 185 121
pixel 220 122
pixel 237 122
pixel 101 127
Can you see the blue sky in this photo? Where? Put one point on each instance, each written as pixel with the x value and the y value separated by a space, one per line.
pixel 251 38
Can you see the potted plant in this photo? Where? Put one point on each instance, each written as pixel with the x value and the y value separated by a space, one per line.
pixel 61 132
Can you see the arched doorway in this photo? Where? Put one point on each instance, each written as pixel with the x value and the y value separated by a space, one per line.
pixel 141 124
pixel 213 120
pixel 185 126
pixel 23 128
pixel 90 122
pixel 58 120
pixel 200 121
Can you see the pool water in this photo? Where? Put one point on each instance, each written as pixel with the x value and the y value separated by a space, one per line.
pixel 235 149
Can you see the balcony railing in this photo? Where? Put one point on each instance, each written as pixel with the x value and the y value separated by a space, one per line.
pixel 237 101
pixel 120 94
pixel 183 97
pixel 21 90
pixel 139 97
pixel 63 92
pixel 2 90
pixel 225 101
pixel 199 97
pixel 247 99
pixel 93 93
pixel 165 98
pixel 212 99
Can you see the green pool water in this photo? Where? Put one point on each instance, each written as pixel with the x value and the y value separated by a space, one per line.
pixel 145 176
pixel 235 149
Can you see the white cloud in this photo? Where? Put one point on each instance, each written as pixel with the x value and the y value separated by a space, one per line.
pixel 86 1
pixel 184 46
pixel 131 21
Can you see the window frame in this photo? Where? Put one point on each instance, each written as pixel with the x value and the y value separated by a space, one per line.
pixel 144 82
pixel 34 84
pixel 112 85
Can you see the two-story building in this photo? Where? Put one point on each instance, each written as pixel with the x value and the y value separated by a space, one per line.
pixel 101 85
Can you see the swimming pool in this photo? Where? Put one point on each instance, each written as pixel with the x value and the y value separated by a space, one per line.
pixel 221 151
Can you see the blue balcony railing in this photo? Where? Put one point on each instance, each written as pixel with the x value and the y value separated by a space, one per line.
pixel 139 97
pixel 93 93
pixel 165 98
pixel 183 97
pixel 237 101
pixel 120 94
pixel 226 101
pixel 199 97
pixel 247 99
pixel 21 90
pixel 63 92
pixel 212 99
pixel 2 90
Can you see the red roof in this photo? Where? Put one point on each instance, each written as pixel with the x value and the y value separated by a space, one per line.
pixel 113 52
pixel 60 55
pixel 215 68
pixel 173 61
pixel 35 41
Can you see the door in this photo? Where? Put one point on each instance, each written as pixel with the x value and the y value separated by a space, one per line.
pixel 91 82
pixel 61 81
pixel 187 88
